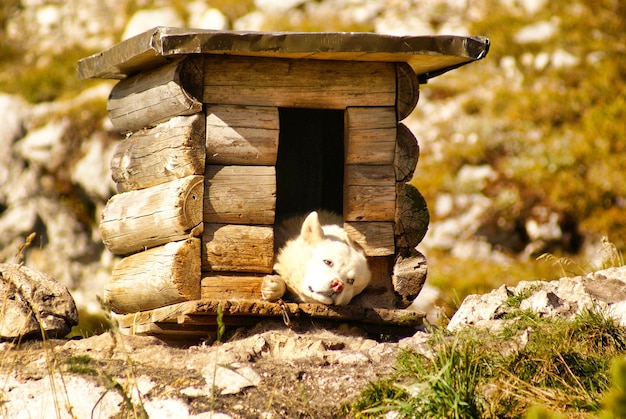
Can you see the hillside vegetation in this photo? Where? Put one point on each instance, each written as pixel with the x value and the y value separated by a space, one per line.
pixel 526 143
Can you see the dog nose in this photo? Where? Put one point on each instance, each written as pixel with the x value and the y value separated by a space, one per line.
pixel 336 285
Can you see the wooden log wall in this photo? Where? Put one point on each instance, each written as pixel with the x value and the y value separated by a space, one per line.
pixel 137 220
pixel 196 174
pixel 242 130
pixel 155 278
pixel 157 95
pixel 289 83
pixel 156 220
pixel 239 196
pixel 246 135
pixel 169 151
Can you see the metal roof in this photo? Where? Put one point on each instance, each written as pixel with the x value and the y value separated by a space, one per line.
pixel 429 56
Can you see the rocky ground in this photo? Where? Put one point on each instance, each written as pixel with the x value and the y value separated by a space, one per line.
pixel 265 371
pixel 55 180
pixel 268 371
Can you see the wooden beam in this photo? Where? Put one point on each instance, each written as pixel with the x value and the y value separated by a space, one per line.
pixel 263 81
pixel 240 194
pixel 179 313
pixel 246 135
pixel 231 286
pixel 155 278
pixel 376 238
pixel 370 135
pixel 154 96
pixel 169 151
pixel 237 248
pixel 369 193
pixel 137 220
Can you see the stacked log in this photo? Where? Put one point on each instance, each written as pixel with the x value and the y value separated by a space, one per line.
pixel 156 220
pixel 239 194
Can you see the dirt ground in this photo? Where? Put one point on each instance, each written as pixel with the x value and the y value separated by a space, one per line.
pixel 267 371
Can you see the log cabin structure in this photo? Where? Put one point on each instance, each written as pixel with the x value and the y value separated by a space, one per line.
pixel 227 132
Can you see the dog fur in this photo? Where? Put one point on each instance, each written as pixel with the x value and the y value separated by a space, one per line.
pixel 317 262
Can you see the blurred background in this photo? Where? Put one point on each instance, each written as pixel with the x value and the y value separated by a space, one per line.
pixel 523 156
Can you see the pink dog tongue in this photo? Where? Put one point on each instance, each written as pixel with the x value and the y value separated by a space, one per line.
pixel 336 286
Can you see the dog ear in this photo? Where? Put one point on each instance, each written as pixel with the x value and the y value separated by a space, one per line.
pixel 311 230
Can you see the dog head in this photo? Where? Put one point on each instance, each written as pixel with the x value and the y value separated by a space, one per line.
pixel 336 269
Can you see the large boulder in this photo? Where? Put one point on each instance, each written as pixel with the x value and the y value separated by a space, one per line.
pixel 603 290
pixel 32 302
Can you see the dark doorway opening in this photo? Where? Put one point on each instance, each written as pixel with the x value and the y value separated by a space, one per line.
pixel 310 164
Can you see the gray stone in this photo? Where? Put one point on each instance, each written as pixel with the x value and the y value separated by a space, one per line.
pixel 230 379
pixel 146 19
pixel 603 290
pixel 33 301
pixel 476 309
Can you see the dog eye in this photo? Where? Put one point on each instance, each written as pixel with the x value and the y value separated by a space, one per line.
pixel 350 281
pixel 328 263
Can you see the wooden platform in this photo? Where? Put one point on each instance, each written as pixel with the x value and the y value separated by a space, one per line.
pixel 197 320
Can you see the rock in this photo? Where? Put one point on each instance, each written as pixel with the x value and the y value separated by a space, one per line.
pixel 203 17
pixel 92 171
pixel 37 398
pixel 253 21
pixel 146 19
pixel 537 32
pixel 12 112
pixel 479 309
pixel 230 379
pixel 564 298
pixel 276 7
pixel 45 146
pixel 34 301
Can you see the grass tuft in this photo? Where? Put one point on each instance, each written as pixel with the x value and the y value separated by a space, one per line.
pixel 80 364
pixel 562 370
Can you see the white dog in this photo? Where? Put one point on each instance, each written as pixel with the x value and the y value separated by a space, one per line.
pixel 318 263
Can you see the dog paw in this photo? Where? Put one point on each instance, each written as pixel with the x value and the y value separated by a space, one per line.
pixel 273 287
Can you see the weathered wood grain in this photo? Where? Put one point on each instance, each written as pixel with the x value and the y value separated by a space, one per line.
pixel 369 193
pixel 370 135
pixel 246 135
pixel 409 275
pixel 412 217
pixel 155 278
pixel 406 155
pixel 376 238
pixel 156 95
pixel 196 310
pixel 171 150
pixel 315 84
pixel 237 248
pixel 231 286
pixel 408 90
pixel 240 194
pixel 137 220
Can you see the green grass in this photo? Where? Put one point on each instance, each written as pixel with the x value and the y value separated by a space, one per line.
pixel 80 364
pixel 564 368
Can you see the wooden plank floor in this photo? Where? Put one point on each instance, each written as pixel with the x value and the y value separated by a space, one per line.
pixel 197 320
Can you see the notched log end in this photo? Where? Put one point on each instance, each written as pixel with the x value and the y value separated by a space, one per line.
pixel 409 275
pixel 407 90
pixel 192 202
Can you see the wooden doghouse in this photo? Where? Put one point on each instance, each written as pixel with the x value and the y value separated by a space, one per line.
pixel 226 132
